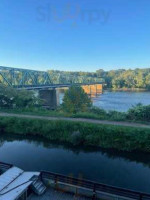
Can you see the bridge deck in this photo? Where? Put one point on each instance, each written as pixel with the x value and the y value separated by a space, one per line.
pixel 52 194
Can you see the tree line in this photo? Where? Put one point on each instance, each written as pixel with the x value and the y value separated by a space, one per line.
pixel 116 79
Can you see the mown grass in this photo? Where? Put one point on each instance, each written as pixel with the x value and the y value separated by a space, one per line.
pixel 80 134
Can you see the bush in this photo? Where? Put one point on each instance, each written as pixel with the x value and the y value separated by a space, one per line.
pixel 117 116
pixel 98 111
pixel 7 97
pixel 10 98
pixel 76 100
pixel 76 138
pixel 139 112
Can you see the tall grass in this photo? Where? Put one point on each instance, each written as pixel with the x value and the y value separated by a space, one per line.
pixel 138 113
pixel 77 133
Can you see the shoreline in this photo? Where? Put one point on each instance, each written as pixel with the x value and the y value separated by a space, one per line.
pixel 127 89
pixel 77 133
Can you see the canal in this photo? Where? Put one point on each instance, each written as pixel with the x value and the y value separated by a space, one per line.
pixel 128 170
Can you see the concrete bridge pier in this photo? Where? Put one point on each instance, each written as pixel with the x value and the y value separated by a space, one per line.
pixel 50 98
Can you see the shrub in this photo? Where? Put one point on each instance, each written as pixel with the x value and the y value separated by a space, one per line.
pixel 139 112
pixel 117 116
pixel 76 100
pixel 98 111
pixel 10 98
pixel 76 138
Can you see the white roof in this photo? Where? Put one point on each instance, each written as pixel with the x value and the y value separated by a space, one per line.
pixel 21 181
pixel 12 195
pixel 9 176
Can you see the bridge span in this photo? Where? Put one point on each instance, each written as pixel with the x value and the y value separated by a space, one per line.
pixel 48 84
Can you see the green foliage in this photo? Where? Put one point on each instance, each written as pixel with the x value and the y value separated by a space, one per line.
pixel 98 111
pixel 7 98
pixel 76 100
pixel 73 77
pixel 79 133
pixel 116 116
pixel 88 115
pixel 10 98
pixel 139 112
pixel 116 79
pixel 77 138
pixel 119 79
pixel 92 113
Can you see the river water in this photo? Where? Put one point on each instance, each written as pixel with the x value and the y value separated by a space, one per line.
pixel 119 100
pixel 128 170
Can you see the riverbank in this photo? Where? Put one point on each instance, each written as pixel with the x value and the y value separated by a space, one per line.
pixel 80 133
pixel 127 89
pixel 77 119
pixel 139 114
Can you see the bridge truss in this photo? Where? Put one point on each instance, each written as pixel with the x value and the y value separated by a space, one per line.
pixel 25 78
pixel 20 77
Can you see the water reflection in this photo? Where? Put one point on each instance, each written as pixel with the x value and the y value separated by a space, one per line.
pixel 129 170
pixel 137 157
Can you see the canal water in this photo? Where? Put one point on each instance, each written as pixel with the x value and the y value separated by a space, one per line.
pixel 128 170
pixel 118 100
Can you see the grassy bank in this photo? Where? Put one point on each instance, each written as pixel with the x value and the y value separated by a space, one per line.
pixel 93 114
pixel 138 114
pixel 76 133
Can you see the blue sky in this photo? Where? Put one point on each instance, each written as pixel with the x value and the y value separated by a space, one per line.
pixel 82 35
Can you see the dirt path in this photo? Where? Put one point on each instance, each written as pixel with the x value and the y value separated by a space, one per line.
pixel 93 121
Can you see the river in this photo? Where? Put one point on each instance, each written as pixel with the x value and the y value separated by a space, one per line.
pixel 128 170
pixel 119 100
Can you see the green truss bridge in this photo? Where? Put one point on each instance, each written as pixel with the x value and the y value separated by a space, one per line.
pixel 47 84
pixel 32 79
